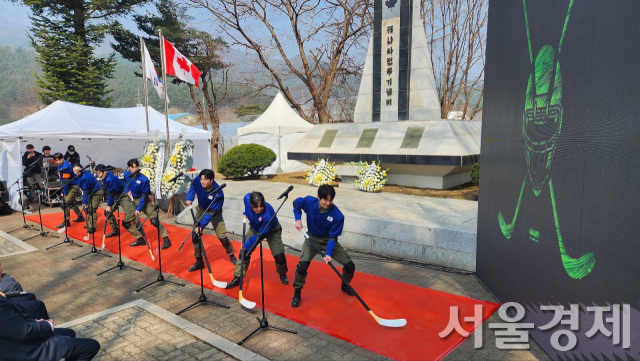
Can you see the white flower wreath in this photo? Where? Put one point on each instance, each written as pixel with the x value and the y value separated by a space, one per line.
pixel 321 173
pixel 371 178
pixel 149 161
pixel 179 161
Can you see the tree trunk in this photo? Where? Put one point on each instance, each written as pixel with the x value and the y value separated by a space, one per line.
pixel 215 124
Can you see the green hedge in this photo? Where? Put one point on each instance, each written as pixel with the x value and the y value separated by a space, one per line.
pixel 246 160
pixel 475 174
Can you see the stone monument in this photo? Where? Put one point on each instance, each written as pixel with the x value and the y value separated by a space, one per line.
pixel 397 115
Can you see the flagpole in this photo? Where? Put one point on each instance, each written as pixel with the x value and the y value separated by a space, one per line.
pixel 164 82
pixel 144 81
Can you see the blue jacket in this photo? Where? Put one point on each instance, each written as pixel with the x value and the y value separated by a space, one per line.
pixel 89 184
pixel 320 224
pixel 139 188
pixel 205 198
pixel 259 221
pixel 114 187
pixel 65 171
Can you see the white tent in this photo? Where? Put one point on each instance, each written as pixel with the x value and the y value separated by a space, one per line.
pixel 108 135
pixel 278 128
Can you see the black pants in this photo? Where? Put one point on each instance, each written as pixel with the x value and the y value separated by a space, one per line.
pixel 80 349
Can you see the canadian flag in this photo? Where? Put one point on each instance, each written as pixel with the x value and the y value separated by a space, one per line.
pixel 180 66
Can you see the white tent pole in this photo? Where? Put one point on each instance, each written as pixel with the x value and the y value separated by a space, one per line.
pixel 144 81
pixel 164 82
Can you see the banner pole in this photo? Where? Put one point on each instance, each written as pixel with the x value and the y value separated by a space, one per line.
pixel 164 81
pixel 144 82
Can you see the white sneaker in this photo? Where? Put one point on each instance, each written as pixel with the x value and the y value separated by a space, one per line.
pixel 28 210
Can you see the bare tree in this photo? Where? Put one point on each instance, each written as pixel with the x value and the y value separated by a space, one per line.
pixel 456 33
pixel 324 33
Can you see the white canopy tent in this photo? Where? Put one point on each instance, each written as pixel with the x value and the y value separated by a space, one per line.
pixel 278 129
pixel 108 135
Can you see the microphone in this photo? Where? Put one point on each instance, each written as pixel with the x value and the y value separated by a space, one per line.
pixel 286 193
pixel 90 160
pixel 219 188
pixel 176 177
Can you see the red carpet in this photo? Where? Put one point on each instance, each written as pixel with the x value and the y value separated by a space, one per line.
pixel 324 306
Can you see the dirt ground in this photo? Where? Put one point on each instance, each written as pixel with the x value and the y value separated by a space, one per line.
pixel 466 191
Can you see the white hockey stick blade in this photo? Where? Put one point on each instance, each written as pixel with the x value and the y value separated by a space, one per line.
pixel 389 323
pixel 220 284
pixel 61 230
pixel 86 238
pixel 245 302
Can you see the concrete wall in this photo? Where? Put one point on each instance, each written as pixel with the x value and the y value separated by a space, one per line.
pixel 438 246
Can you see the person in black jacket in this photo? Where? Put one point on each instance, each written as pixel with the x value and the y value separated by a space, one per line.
pixel 71 155
pixel 31 160
pixel 22 337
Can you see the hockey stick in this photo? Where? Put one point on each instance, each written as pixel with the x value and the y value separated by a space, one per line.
pixel 388 323
pixel 206 258
pixel 144 235
pixel 243 301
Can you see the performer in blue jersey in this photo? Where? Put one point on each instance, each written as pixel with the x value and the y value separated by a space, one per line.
pixel 203 188
pixel 259 213
pixel 114 188
pixel 138 192
pixel 70 191
pixel 92 193
pixel 324 226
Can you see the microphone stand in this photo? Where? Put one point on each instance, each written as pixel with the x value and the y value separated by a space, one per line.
pixel 160 276
pixel 66 240
pixel 203 299
pixel 24 220
pixel 120 264
pixel 94 250
pixel 264 324
pixel 42 231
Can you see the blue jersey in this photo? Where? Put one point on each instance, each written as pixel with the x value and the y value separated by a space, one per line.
pixel 139 188
pixel 65 171
pixel 259 221
pixel 114 187
pixel 205 198
pixel 320 224
pixel 89 184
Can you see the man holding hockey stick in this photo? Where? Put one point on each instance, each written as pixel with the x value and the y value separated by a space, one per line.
pixel 139 192
pixel 203 187
pixel 259 213
pixel 325 223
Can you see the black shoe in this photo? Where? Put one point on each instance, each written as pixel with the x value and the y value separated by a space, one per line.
pixel 67 223
pixel 235 282
pixel 85 227
pixel 166 244
pixel 91 230
pixel 113 233
pixel 79 219
pixel 197 266
pixel 346 289
pixel 295 302
pixel 234 260
pixel 284 279
pixel 138 242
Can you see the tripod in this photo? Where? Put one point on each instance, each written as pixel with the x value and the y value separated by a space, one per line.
pixel 42 231
pixel 264 324
pixel 24 220
pixel 120 264
pixel 94 250
pixel 160 276
pixel 203 298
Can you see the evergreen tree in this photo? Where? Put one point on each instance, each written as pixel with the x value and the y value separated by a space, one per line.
pixel 64 34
